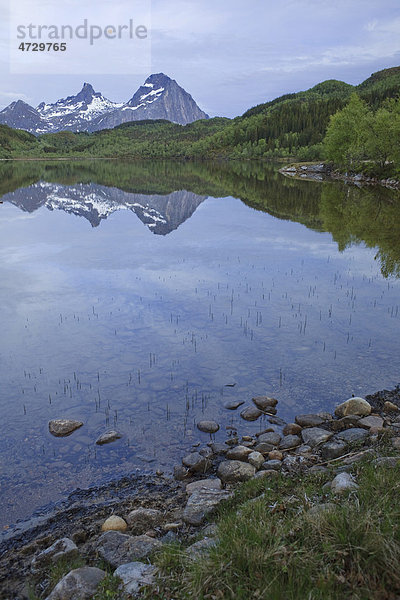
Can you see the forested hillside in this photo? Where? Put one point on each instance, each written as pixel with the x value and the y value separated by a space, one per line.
pixel 293 125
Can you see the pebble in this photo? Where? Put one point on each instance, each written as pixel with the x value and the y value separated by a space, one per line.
pixel 195 462
pixel 267 474
pixel 265 402
pixel 272 438
pixel 251 413
pixel 313 436
pixel 289 441
pixel 275 455
pixel 256 459
pixel 390 407
pixel 238 453
pixel 233 404
pixel 291 429
pixel 309 420
pixel 108 437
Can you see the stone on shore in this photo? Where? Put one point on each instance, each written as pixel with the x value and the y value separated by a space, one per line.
pixel 289 441
pixel 387 461
pixel 233 404
pixel 333 449
pixel 309 420
pixel 352 435
pixel 209 484
pixel 208 426
pixel 195 462
pixel 135 575
pixel 343 482
pixel 231 471
pixel 291 429
pixel 314 436
pixel 143 519
pixel 200 548
pixel 239 453
pixel 373 421
pixel 63 427
pixel 60 550
pixel 251 413
pixel 271 437
pixel 390 407
pixel 114 523
pixel 108 437
pixel 256 459
pixel 201 503
pixel 118 548
pixel 79 584
pixel 354 406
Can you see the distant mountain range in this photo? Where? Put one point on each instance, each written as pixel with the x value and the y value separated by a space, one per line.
pixel 160 213
pixel 160 97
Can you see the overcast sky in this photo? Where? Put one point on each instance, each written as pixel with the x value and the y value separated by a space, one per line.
pixel 229 54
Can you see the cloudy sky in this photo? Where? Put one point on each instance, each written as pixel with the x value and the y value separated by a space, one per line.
pixel 229 54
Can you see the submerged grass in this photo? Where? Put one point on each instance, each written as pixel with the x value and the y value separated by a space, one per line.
pixel 273 546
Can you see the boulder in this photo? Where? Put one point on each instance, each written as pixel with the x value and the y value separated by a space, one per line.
pixel 208 426
pixel 343 482
pixel 314 436
pixel 118 548
pixel 353 406
pixel 238 453
pixel 63 548
pixel 135 575
pixel 79 584
pixel 309 420
pixel 208 484
pixel 371 422
pixel 143 519
pixel 114 523
pixel 201 503
pixel 63 427
pixel 231 471
pixel 352 435
pixel 289 441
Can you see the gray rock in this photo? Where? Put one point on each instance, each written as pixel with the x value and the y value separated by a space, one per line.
pixel 201 503
pixel 208 426
pixel 290 441
pixel 318 469
pixel 333 449
pixel 218 448
pixel 256 459
pixel 353 406
pixel 291 429
pixel 231 471
pixel 265 403
pixel 233 404
pixel 200 547
pixel 345 422
pixel 135 575
pixel 238 453
pixel 180 472
pixel 271 437
pixel 143 519
pixel 61 549
pixel 267 474
pixel 195 462
pixel 251 413
pixel 209 484
pixel 309 420
pixel 371 421
pixel 79 584
pixel 314 436
pixel 263 448
pixel 108 437
pixel 63 427
pixel 118 548
pixel 343 482
pixel 272 464
pixel 352 435
pixel 318 509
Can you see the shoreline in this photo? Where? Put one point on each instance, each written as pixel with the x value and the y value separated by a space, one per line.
pixel 80 516
pixel 319 171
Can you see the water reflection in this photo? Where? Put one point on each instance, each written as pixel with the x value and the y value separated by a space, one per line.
pixel 120 328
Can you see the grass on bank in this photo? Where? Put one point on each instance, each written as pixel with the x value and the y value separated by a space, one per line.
pixel 272 547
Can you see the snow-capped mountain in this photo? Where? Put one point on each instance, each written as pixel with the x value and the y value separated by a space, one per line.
pixel 160 97
pixel 160 213
pixel 76 112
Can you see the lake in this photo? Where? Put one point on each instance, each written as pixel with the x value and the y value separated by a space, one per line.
pixel 143 296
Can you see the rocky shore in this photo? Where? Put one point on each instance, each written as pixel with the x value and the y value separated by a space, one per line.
pixel 323 171
pixel 119 527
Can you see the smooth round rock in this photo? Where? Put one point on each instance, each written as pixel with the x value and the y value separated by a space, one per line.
pixel 114 523
pixel 291 429
pixel 231 471
pixel 353 406
pixel 108 437
pixel 265 403
pixel 251 413
pixel 208 426
pixel 63 427
pixel 238 453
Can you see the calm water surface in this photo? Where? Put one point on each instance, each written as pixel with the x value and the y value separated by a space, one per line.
pixel 132 295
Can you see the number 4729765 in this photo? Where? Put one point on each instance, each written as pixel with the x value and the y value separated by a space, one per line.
pixel 42 46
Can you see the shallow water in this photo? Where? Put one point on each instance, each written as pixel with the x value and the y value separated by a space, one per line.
pixel 134 297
